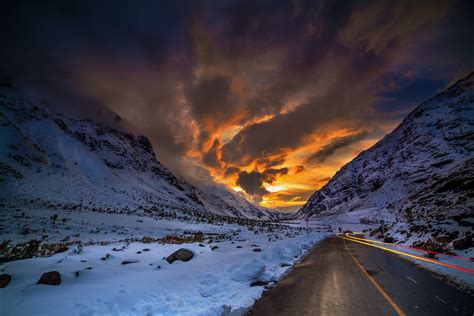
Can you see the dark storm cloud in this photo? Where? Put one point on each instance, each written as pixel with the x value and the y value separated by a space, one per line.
pixel 253 182
pixel 180 71
pixel 210 98
pixel 402 91
pixel 287 131
pixel 312 31
pixel 268 163
pixel 230 171
pixel 335 144
pixel 210 158
pixel 47 47
pixel 360 56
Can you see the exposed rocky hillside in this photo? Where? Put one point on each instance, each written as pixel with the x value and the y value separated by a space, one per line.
pixel 424 169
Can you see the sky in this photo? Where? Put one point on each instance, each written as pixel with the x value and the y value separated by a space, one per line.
pixel 269 98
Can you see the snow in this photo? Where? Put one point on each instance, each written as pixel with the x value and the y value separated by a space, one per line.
pixel 214 282
pixel 249 272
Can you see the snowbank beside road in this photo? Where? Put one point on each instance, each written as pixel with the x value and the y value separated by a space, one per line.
pixel 228 272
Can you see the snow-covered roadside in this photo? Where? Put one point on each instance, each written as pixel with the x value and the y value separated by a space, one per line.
pixel 460 258
pixel 461 278
pixel 352 222
pixel 216 281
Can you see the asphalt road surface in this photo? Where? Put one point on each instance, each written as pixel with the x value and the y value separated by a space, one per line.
pixel 341 277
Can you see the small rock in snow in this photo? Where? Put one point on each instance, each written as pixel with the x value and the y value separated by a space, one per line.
pixel 257 250
pixel 259 283
pixel 463 243
pixel 5 280
pixel 50 278
pixel 181 254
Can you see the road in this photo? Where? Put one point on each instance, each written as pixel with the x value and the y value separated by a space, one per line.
pixel 341 277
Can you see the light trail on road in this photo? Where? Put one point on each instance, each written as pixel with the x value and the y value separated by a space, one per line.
pixel 408 247
pixel 350 238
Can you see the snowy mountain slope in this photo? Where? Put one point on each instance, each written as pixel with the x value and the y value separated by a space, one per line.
pixel 222 201
pixel 49 158
pixel 423 169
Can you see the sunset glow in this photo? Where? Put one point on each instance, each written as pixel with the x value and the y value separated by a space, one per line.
pixel 269 99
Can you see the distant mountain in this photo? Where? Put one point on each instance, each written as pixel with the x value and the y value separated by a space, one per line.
pixel 49 159
pixel 220 200
pixel 424 168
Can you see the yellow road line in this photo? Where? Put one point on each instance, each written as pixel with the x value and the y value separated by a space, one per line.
pixel 370 240
pixel 410 255
pixel 377 286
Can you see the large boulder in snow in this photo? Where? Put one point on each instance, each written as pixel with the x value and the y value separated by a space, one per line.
pixel 181 254
pixel 4 280
pixel 50 278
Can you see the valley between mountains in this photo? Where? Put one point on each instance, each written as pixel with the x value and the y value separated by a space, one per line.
pixel 94 205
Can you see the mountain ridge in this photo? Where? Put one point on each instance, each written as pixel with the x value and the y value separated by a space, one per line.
pixel 402 171
pixel 52 159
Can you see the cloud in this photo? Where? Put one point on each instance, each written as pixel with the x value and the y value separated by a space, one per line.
pixel 328 150
pixel 236 88
pixel 289 130
pixel 211 158
pixel 269 162
pixel 230 171
pixel 210 99
pixel 299 168
pixel 253 182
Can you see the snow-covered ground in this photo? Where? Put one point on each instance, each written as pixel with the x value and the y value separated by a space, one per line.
pixel 218 280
